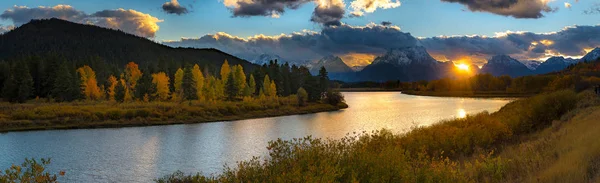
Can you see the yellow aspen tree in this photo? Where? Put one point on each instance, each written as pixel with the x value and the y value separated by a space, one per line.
pixel 132 75
pixel 239 79
pixel 89 85
pixel 273 89
pixel 112 80
pixel 225 70
pixel 199 80
pixel 252 84
pixel 178 84
pixel 265 90
pixel 161 81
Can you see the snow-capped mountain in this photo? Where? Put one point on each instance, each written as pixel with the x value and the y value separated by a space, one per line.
pixel 406 56
pixel 505 65
pixel 531 64
pixel 333 64
pixel 555 64
pixel 358 68
pixel 405 64
pixel 266 58
pixel 592 55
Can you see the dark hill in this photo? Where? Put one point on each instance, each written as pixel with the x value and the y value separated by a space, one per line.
pixel 76 42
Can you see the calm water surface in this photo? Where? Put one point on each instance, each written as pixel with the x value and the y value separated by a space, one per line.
pixel 140 154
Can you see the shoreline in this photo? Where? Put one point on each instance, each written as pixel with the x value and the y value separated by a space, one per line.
pixel 462 94
pixel 66 124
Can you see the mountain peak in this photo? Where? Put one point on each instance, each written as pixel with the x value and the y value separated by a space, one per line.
pixel 266 58
pixel 406 56
pixel 333 64
pixel 592 55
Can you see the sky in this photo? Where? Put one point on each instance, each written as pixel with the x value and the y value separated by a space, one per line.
pixel 356 30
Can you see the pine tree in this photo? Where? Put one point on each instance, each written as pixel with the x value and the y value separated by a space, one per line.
pixel 120 91
pixel 231 90
pixel 19 86
pixel 190 92
pixel 144 87
pixel 323 81
pixel 66 87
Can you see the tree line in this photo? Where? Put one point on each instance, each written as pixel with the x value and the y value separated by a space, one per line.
pixel 62 81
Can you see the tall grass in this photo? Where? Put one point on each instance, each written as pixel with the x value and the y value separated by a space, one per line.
pixel 460 150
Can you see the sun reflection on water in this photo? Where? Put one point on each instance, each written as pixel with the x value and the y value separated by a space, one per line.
pixel 461 113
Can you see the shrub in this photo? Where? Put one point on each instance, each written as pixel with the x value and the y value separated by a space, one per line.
pixel 30 171
pixel 334 97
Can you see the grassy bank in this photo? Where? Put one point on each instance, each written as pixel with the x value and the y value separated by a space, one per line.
pixel 475 94
pixel 548 138
pixel 42 115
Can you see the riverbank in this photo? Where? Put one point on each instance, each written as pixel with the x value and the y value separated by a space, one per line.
pixel 471 94
pixel 77 115
pixel 530 139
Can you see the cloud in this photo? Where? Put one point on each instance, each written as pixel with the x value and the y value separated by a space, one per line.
pixel 569 42
pixel 4 29
pixel 386 23
pixel 329 12
pixel 568 5
pixel 130 21
pixel 372 39
pixel 174 7
pixel 272 8
pixel 594 9
pixel 360 7
pixel 514 8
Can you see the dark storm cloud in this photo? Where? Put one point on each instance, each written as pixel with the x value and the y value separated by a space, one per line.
pixel 130 21
pixel 174 7
pixel 570 41
pixel 273 8
pixel 514 8
pixel 329 13
pixel 337 40
pixel 386 23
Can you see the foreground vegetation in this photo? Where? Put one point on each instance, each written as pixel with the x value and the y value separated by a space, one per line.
pixel 43 115
pixel 527 140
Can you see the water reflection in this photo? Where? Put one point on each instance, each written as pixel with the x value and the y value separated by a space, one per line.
pixel 461 113
pixel 141 154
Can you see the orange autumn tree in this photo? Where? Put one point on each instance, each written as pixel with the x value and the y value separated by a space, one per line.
pixel 89 85
pixel 161 81
pixel 132 75
pixel 225 70
pixel 112 80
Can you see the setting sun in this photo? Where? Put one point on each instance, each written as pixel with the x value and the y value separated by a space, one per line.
pixel 462 67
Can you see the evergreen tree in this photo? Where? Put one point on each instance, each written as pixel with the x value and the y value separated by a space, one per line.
pixel 120 91
pixel 231 90
pixel 311 85
pixel 19 86
pixel 66 87
pixel 190 92
pixel 323 81
pixel 144 87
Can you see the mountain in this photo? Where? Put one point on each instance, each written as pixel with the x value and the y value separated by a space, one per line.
pixel 266 58
pixel 554 64
pixel 591 56
pixel 505 65
pixel 532 64
pixel 333 64
pixel 405 64
pixel 78 42
pixel 358 68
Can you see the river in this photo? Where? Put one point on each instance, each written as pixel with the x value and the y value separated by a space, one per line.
pixel 141 154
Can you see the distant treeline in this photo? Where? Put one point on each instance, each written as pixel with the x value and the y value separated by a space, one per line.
pixel 580 76
pixel 56 79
